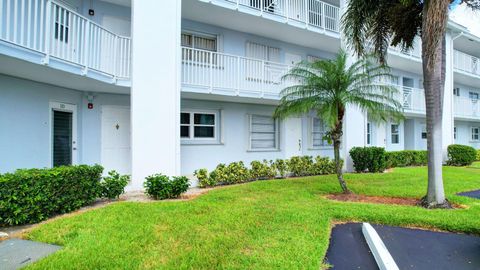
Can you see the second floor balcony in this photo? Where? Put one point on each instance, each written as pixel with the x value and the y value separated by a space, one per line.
pixel 466 63
pixel 52 32
pixel 466 108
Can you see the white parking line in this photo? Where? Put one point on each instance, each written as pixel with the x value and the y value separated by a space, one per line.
pixel 380 252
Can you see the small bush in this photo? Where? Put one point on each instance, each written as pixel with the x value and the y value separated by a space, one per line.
pixel 461 155
pixel 368 158
pixel 262 170
pixel 281 167
pixel 114 185
pixel 204 179
pixel 300 165
pixel 406 158
pixel 160 187
pixel 33 195
pixel 323 165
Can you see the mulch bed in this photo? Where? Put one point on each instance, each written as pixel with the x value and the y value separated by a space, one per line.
pixel 373 199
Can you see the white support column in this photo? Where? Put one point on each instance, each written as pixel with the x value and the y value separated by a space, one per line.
pixel 155 92
pixel 448 102
pixel 355 121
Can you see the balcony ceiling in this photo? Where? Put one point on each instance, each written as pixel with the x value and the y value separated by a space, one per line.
pixel 468 45
pixel 41 73
pixel 125 3
pixel 239 21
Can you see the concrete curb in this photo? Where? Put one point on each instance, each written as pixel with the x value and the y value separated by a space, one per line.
pixel 379 250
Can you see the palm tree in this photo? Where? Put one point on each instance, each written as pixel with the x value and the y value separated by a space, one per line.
pixel 327 87
pixel 397 22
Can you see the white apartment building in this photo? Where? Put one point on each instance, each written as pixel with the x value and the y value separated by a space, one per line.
pixel 148 86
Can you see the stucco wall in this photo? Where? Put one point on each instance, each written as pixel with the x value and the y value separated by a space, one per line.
pixel 25 122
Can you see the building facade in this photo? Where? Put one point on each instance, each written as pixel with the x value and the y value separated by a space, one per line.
pixel 151 86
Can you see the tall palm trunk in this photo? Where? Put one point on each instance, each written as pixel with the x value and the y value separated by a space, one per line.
pixel 433 56
pixel 337 139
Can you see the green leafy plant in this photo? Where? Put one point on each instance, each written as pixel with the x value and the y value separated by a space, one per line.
pixel 478 155
pixel 113 185
pixel 300 165
pixel 262 170
pixel 204 179
pixel 461 155
pixel 281 167
pixel 368 158
pixel 160 187
pixel 236 172
pixel 33 195
pixel 406 158
pixel 323 165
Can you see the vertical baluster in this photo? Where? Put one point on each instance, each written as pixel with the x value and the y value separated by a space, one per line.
pixel 210 54
pixel 86 43
pixel 7 23
pixel 48 28
pixel 15 20
pixel 1 18
pixel 22 23
pixel 29 24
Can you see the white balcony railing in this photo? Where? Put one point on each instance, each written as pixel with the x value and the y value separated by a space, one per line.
pixel 311 12
pixel 466 63
pixel 466 107
pixel 236 74
pixel 56 31
pixel 413 99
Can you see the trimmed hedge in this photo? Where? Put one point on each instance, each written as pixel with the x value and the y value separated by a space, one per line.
pixel 237 172
pixel 376 159
pixel 33 195
pixel 461 155
pixel 160 187
pixel 406 158
pixel 372 159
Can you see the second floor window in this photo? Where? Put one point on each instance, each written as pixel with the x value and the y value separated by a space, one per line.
pixel 395 134
pixel 205 45
pixel 473 96
pixel 61 24
pixel 263 52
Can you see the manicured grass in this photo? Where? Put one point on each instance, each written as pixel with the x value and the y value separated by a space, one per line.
pixel 277 224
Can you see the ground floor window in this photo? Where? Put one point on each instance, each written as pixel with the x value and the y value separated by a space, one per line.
pixel 198 125
pixel 263 133
pixel 395 134
pixel 369 133
pixel 319 131
pixel 475 133
pixel 424 132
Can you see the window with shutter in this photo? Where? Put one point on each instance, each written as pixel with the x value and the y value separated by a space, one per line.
pixel 203 42
pixel 263 133
pixel 263 52
pixel 311 58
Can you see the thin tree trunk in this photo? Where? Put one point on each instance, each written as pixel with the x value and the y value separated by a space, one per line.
pixel 434 84
pixel 338 166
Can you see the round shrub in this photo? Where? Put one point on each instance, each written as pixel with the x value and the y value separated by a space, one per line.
pixel 262 170
pixel 113 185
pixel 461 155
pixel 204 179
pixel 160 187
pixel 281 167
pixel 368 158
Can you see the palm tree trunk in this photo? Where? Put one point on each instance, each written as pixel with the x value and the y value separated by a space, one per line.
pixel 337 139
pixel 338 166
pixel 434 84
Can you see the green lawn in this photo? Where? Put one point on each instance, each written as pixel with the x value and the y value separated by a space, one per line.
pixel 282 224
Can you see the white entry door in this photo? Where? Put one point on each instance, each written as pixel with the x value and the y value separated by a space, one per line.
pixel 293 137
pixel 292 58
pixel 116 139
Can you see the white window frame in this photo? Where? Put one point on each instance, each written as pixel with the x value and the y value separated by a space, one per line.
pixel 192 126
pixel 202 35
pixel 311 132
pixel 475 132
pixel 397 133
pixel 369 133
pixel 277 134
